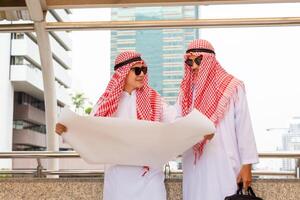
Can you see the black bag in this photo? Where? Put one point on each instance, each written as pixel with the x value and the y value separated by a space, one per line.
pixel 240 196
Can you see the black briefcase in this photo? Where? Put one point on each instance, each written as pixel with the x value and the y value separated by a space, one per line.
pixel 249 195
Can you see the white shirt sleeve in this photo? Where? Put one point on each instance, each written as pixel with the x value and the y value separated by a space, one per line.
pixel 169 113
pixel 244 131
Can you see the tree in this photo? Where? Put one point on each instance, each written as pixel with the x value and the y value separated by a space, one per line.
pixel 78 101
pixel 88 110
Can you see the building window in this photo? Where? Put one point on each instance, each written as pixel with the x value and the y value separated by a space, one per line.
pixel 23 125
pixel 17 60
pixel 22 147
pixel 25 99
pixel 17 35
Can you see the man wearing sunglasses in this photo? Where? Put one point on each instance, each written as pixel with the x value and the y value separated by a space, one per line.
pixel 128 95
pixel 213 167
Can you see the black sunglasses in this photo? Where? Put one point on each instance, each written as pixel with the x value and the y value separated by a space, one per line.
pixel 197 60
pixel 139 70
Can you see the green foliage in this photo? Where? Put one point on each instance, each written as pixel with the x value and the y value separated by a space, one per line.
pixel 78 100
pixel 81 103
pixel 88 110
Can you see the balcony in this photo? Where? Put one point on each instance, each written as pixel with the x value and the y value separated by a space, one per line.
pixel 29 137
pixel 29 80
pixel 61 36
pixel 29 113
pixel 27 48
pixel 60 54
pixel 62 75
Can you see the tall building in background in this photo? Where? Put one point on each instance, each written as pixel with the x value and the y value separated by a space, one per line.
pixel 22 96
pixel 291 142
pixel 288 140
pixel 162 49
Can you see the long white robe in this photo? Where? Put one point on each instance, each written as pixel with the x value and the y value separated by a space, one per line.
pixel 126 182
pixel 213 177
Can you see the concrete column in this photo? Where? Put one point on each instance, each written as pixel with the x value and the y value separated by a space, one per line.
pixel 49 91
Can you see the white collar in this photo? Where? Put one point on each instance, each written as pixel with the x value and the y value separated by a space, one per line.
pixel 126 94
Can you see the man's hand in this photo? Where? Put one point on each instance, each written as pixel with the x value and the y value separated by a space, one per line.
pixel 209 136
pixel 60 129
pixel 245 176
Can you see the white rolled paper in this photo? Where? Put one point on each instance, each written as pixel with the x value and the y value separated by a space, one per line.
pixel 105 140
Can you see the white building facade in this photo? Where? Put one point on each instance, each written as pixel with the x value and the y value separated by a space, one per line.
pixel 22 118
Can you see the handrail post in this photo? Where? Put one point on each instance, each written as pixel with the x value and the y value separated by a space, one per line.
pixel 297 168
pixel 167 170
pixel 39 169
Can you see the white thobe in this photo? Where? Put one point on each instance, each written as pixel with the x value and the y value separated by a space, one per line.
pixel 213 177
pixel 126 182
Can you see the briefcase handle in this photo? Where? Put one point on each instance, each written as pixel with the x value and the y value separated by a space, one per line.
pixel 249 190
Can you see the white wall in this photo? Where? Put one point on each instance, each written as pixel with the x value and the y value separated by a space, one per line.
pixel 6 99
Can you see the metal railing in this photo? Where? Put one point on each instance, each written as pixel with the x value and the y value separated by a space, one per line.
pixel 41 172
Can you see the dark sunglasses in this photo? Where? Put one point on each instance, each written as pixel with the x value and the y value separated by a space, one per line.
pixel 197 60
pixel 139 70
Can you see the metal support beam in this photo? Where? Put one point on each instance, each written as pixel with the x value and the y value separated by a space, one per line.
pixel 134 25
pixel 196 23
pixel 12 5
pixel 16 28
pixel 36 13
pixel 67 4
pixel 11 15
pixel 138 3
pixel 35 10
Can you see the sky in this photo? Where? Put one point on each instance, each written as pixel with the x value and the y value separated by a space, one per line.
pixel 266 59
pixel 90 55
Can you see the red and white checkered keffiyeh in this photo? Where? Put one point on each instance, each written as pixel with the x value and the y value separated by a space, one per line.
pixel 213 88
pixel 149 102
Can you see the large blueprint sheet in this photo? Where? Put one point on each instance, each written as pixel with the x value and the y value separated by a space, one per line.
pixel 104 140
